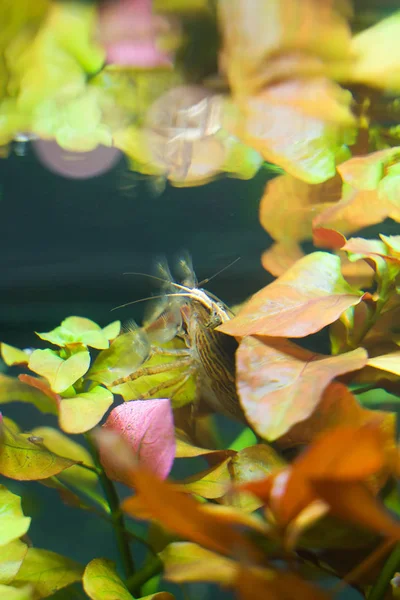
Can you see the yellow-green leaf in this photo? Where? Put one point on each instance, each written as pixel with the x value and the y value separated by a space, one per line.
pixel 13 356
pixel 112 330
pixel 13 523
pixel 14 390
pixel 77 476
pixel 47 572
pixel 8 592
pixel 60 374
pixel 79 330
pixel 387 362
pixel 82 412
pixel 185 561
pixel 11 557
pixel 102 582
pixel 22 459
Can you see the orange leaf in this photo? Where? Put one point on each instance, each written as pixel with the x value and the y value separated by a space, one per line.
pixel 287 196
pixel 309 296
pixel 337 407
pixel 304 145
pixel 280 384
pixel 335 469
pixel 255 34
pixel 280 257
pixel 254 584
pixel 41 385
pixel 328 238
pixel 353 501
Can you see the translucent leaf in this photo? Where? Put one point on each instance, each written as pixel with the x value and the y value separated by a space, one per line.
pixel 14 390
pixel 281 384
pixel 306 298
pixel 84 411
pixel 13 523
pixel 13 356
pixel 102 582
pixel 11 557
pixel 78 330
pixel 61 374
pixel 125 354
pixel 22 459
pixel 148 427
pixel 47 572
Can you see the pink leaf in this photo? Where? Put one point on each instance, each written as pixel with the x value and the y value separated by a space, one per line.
pixel 148 427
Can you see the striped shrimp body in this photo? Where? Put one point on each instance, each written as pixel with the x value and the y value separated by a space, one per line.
pixel 191 316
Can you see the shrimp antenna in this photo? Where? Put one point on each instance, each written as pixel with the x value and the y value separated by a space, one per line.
pixel 177 285
pixel 180 294
pixel 208 279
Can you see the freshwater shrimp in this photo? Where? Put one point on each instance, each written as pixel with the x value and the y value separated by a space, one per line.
pixel 191 314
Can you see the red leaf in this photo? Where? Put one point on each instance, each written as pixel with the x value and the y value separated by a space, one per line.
pixel 148 428
pixel 328 238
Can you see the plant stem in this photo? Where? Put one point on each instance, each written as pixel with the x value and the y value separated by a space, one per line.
pixel 117 519
pixel 381 585
pixel 148 571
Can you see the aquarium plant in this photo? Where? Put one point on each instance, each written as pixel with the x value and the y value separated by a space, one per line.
pixel 304 501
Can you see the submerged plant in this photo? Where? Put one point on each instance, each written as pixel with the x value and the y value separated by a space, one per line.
pixel 306 497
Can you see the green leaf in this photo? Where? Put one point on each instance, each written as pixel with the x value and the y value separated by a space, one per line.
pixel 13 523
pixel 13 593
pixel 47 572
pixel 84 411
pixel 60 374
pixel 13 356
pixel 84 480
pixel 24 460
pixel 112 330
pixel 377 397
pixel 13 390
pixel 78 330
pixel 102 582
pixel 11 557
pixel 126 354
